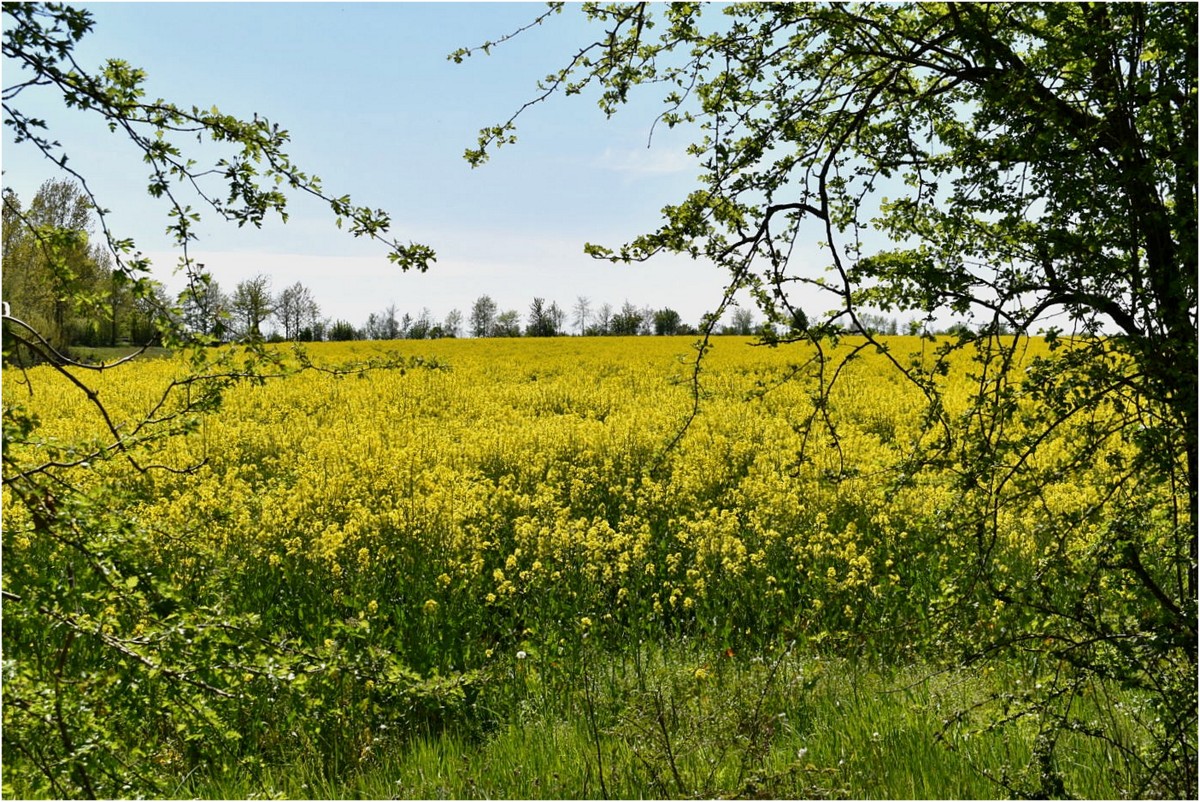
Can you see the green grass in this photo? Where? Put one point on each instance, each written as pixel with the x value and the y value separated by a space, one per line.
pixel 683 723
pixel 104 354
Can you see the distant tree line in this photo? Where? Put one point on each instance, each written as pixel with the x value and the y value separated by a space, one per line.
pixel 66 288
pixel 60 283
pixel 551 320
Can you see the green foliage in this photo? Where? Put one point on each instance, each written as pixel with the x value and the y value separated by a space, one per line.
pixel 685 721
pixel 250 306
pixel 56 278
pixel 483 316
pixel 508 324
pixel 341 331
pixel 626 322
pixel 544 321
pixel 667 322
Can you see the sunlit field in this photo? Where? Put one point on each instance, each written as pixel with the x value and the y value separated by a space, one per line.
pixel 556 567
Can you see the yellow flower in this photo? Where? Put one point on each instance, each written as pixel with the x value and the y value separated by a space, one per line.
pixel 430 606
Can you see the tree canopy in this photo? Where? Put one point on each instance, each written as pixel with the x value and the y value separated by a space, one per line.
pixel 1026 167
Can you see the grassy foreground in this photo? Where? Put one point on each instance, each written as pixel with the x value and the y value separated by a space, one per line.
pixel 685 723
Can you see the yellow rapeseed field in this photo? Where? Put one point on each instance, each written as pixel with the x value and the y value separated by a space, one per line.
pixel 518 487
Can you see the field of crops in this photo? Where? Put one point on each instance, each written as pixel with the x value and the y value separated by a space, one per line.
pixel 461 538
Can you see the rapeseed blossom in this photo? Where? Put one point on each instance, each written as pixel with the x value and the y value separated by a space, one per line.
pixel 530 485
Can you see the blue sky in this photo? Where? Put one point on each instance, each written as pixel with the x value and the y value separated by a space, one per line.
pixel 375 108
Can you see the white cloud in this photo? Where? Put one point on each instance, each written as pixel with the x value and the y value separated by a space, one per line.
pixel 645 161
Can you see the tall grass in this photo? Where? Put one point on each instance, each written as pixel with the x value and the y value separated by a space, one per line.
pixel 685 722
